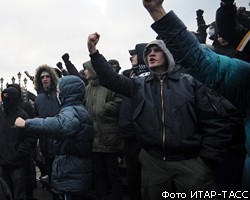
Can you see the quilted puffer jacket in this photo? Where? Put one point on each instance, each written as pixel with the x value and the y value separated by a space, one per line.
pixel 73 132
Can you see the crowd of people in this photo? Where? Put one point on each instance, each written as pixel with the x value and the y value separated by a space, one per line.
pixel 179 117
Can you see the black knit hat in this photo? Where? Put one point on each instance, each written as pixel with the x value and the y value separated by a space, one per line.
pixel 115 62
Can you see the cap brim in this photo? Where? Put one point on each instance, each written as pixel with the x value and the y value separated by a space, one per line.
pixel 132 52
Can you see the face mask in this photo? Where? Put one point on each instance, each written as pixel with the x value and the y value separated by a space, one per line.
pixel 10 100
pixel 7 103
pixel 222 41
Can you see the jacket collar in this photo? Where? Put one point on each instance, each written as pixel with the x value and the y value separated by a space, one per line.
pixel 174 74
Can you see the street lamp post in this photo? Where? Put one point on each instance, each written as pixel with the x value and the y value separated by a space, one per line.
pixel 13 79
pixel 19 77
pixel 25 82
pixel 25 91
pixel 1 80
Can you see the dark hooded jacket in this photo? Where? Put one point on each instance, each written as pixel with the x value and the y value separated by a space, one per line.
pixel 25 105
pixel 228 76
pixel 175 116
pixel 16 144
pixel 73 132
pixel 46 105
pixel 25 96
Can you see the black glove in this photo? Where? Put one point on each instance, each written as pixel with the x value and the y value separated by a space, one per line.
pixel 65 57
pixel 59 65
pixel 199 12
pixel 227 2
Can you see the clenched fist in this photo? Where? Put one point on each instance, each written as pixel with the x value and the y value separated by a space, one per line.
pixel 20 122
pixel 151 4
pixel 155 8
pixel 93 39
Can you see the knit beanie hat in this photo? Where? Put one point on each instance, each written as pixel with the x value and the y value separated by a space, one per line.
pixel 115 62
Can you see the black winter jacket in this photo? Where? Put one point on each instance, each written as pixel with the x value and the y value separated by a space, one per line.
pixel 15 144
pixel 176 117
pixel 46 105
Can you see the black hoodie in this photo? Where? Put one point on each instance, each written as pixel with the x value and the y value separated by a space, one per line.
pixel 16 145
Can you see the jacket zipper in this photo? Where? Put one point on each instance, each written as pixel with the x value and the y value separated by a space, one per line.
pixel 162 120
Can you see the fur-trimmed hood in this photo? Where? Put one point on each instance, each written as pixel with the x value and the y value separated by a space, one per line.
pixel 38 82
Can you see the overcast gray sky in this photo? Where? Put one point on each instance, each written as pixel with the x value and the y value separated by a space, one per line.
pixel 36 32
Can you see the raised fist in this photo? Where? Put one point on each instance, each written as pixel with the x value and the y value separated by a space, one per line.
pixel 227 2
pixel 151 5
pixel 65 57
pixel 199 12
pixel 59 65
pixel 92 41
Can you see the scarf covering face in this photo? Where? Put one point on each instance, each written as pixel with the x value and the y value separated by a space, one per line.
pixel 10 97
